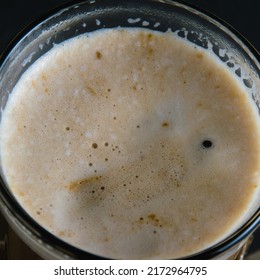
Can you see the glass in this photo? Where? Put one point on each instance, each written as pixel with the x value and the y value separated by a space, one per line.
pixel 79 17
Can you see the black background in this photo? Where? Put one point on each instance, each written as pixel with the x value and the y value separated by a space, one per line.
pixel 244 16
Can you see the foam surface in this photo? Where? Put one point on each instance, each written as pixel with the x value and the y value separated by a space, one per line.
pixel 132 144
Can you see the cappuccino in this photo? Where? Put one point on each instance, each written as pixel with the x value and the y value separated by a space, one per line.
pixel 132 144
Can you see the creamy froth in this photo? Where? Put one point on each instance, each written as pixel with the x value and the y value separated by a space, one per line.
pixel 132 144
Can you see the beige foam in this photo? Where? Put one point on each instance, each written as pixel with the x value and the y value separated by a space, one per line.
pixel 101 142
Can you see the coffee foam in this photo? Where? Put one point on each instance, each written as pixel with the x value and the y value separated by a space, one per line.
pixel 103 136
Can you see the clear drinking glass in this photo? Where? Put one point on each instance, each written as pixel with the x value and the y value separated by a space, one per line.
pixel 79 17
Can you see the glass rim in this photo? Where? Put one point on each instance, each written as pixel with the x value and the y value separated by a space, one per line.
pixel 71 251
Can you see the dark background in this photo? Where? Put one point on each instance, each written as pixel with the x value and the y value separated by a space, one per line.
pixel 244 16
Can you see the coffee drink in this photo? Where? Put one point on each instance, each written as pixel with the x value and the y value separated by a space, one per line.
pixel 130 143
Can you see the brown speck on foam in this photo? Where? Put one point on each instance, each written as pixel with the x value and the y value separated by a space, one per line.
pixel 199 55
pixel 61 233
pixel 90 90
pixel 94 145
pixel 152 220
pixel 74 186
pixel 44 77
pixel 98 55
pixel 152 217
pixel 149 36
pixel 165 124
pixel 21 193
pixel 150 51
